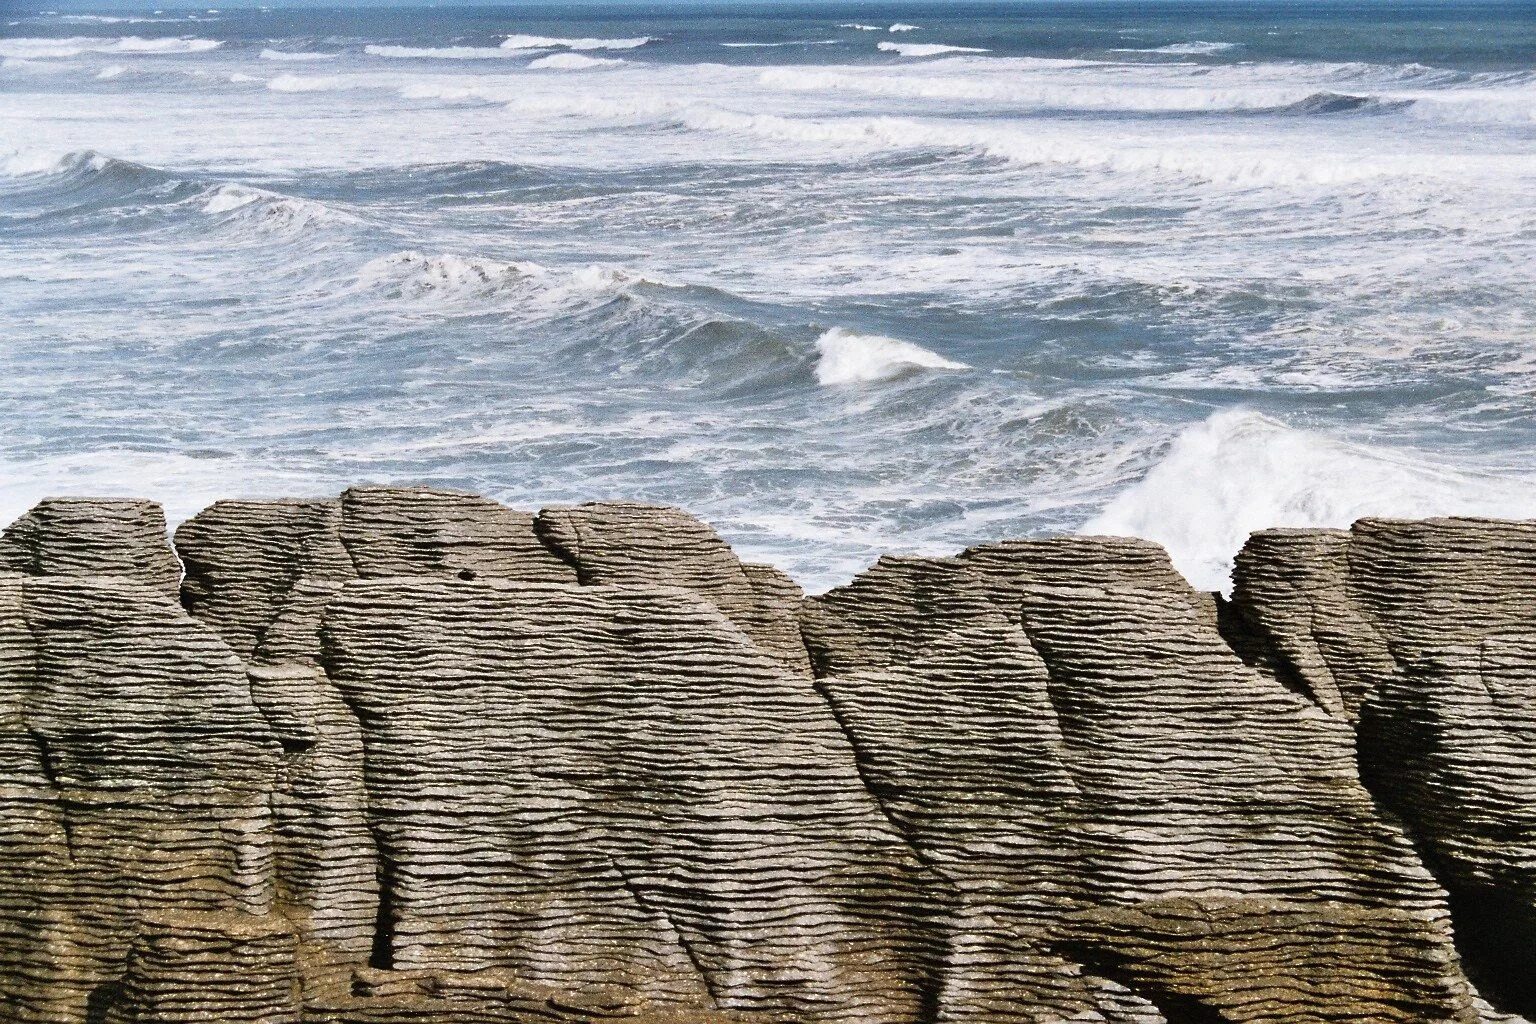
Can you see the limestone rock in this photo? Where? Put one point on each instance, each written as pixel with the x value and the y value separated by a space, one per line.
pixel 254 569
pixel 1426 625
pixel 93 537
pixel 600 785
pixel 628 543
pixel 190 967
pixel 408 531
pixel 417 758
pixel 1053 747
pixel 1291 593
pixel 1259 960
pixel 145 787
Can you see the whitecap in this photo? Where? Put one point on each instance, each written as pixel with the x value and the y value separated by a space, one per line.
pixel 927 49
pixel 844 357
pixel 288 55
pixel 861 28
pixel 314 83
pixel 519 42
pixel 268 212
pixel 74 46
pixel 110 71
pixel 1239 471
pixel 903 27
pixel 1198 47
pixel 442 52
pixel 476 284
pixel 573 62
pixel 792 42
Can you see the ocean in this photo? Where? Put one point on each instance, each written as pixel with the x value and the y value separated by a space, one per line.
pixel 841 279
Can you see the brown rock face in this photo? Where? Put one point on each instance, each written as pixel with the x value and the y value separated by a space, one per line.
pixel 412 756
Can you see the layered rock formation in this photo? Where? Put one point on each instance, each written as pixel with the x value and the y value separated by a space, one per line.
pixel 412 756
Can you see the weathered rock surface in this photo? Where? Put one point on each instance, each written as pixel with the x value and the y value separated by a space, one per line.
pixel 412 756
pixel 1426 627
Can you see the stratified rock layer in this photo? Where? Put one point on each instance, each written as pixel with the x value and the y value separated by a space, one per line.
pixel 1427 627
pixel 412 756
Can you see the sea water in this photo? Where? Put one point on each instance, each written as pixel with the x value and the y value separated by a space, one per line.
pixel 841 279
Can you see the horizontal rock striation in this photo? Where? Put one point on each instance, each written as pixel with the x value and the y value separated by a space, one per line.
pixel 409 755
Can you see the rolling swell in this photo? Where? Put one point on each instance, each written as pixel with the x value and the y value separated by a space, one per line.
pixel 603 319
pixel 1343 103
pixel 88 191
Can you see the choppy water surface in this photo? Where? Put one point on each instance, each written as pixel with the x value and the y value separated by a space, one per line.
pixel 842 280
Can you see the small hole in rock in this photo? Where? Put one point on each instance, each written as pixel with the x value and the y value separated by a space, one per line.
pixel 466 574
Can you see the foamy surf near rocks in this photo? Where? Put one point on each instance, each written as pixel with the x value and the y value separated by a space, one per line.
pixel 412 755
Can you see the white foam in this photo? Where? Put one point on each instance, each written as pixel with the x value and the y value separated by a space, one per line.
pixel 927 49
pixel 844 357
pixel 107 19
pixel 315 83
pixel 903 27
pixel 1196 48
pixel 443 52
pixel 1238 471
pixel 19 164
pixel 792 42
pixel 455 93
pixel 451 280
pixel 573 62
pixel 110 71
pixel 861 28
pixel 519 42
pixel 74 46
pixel 269 212
pixel 1053 94
pixel 288 55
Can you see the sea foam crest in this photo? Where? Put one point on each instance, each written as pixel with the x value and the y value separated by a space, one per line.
pixel 1239 471
pixel 439 52
pixel 927 49
pixel 1195 48
pixel 573 62
pixel 520 42
pixel 74 46
pixel 453 280
pixel 269 212
pixel 80 162
pixel 1056 95
pixel 844 357
pixel 297 56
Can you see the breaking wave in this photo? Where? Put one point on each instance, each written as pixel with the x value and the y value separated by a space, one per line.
pixel 440 52
pixel 844 357
pixel 1343 103
pixel 520 42
pixel 286 55
pixel 573 62
pixel 792 42
pixel 927 49
pixel 454 280
pixel 1050 95
pixel 1197 48
pixel 74 46
pixel 1239 471
pixel 269 212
